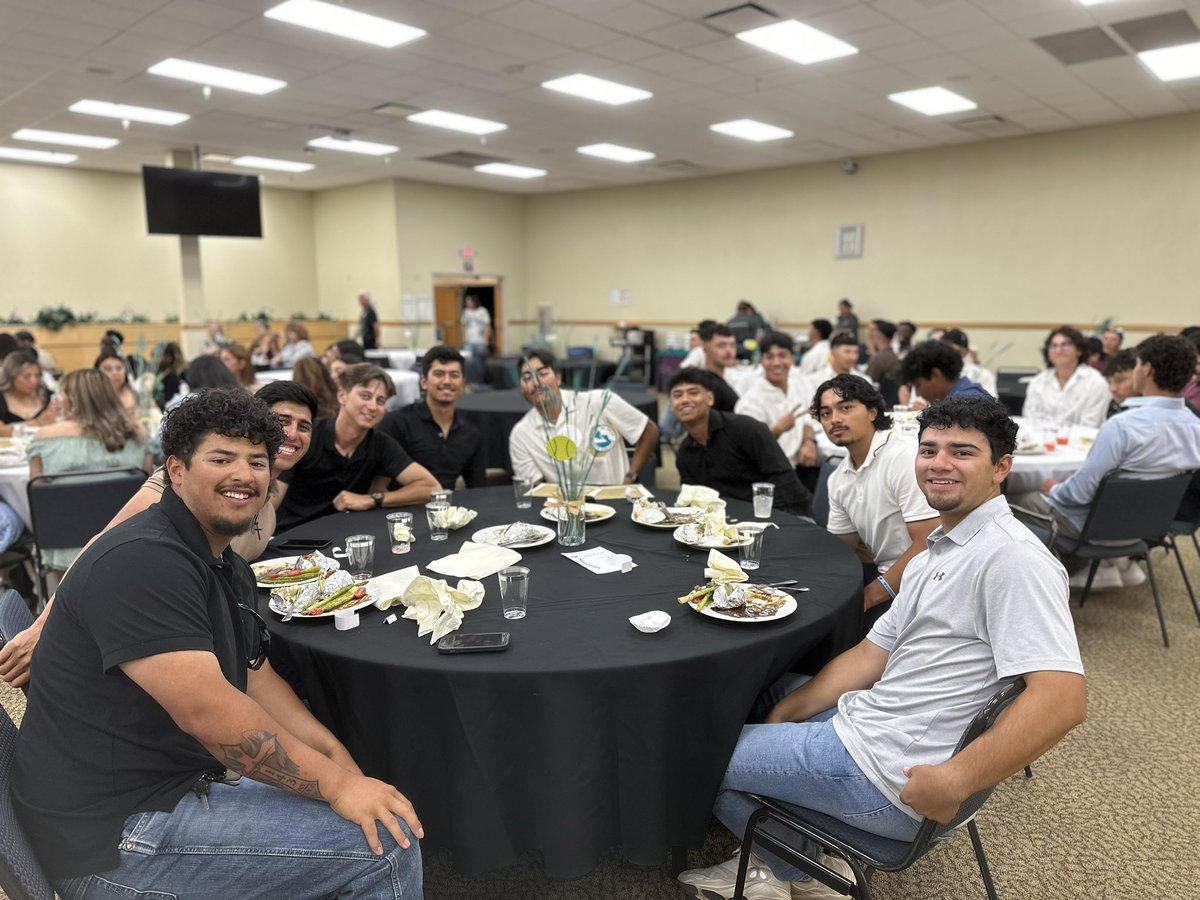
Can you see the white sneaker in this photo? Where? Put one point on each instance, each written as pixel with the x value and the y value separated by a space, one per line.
pixel 1108 578
pixel 811 889
pixel 718 882
pixel 1133 576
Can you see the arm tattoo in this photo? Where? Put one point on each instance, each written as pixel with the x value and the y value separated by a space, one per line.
pixel 260 756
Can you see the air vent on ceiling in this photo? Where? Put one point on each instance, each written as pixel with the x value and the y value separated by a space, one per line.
pixel 679 167
pixel 1085 45
pixel 989 126
pixel 395 110
pixel 741 18
pixel 1155 32
pixel 463 158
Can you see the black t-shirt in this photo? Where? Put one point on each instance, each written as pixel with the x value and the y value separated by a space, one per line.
pixel 366 325
pixel 8 417
pixel 458 453
pixel 725 398
pixel 95 748
pixel 324 473
pixel 741 451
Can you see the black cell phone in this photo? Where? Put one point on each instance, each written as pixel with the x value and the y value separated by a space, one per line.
pixel 480 642
pixel 299 546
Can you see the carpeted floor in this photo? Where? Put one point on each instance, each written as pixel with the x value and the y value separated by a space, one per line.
pixel 1112 812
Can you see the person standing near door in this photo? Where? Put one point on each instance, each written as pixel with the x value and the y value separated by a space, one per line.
pixel 368 324
pixel 477 332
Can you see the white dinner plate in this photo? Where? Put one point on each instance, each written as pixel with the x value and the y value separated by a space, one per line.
pixel 267 564
pixel 372 596
pixel 708 543
pixel 783 612
pixel 595 512
pixel 490 535
pixel 670 509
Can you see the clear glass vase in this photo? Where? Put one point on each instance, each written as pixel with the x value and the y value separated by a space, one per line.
pixel 572 522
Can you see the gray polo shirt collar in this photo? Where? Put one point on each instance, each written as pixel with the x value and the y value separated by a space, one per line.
pixel 969 527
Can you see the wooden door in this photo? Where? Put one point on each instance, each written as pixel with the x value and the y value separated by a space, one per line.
pixel 447 306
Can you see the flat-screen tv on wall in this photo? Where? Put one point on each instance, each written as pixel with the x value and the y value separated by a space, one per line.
pixel 185 201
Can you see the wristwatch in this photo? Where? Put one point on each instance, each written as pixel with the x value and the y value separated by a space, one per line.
pixel 378 498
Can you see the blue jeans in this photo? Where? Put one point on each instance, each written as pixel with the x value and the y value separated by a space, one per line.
pixel 802 764
pixel 254 840
pixel 11 526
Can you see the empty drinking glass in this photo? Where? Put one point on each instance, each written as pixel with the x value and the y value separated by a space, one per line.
pixel 436 514
pixel 751 551
pixel 521 487
pixel 360 555
pixel 514 591
pixel 445 495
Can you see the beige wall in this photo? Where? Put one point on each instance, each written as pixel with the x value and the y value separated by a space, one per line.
pixel 354 232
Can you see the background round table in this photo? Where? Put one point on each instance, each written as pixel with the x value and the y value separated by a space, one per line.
pixel 585 734
pixel 14 484
pixel 495 413
pixel 578 373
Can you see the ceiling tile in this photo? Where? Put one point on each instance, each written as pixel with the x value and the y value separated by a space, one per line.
pixel 536 19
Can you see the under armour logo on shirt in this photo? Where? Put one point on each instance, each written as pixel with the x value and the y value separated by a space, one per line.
pixel 938 576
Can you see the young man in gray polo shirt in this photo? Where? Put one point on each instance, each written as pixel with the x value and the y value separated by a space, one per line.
pixel 869 739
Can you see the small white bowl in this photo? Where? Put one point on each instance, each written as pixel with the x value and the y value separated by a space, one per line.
pixel 650 622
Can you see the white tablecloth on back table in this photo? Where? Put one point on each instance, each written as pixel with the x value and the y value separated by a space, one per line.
pixel 14 480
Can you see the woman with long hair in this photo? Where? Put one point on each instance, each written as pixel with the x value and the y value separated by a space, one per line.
pixel 110 364
pixel 237 360
pixel 310 373
pixel 296 348
pixel 169 378
pixel 95 433
pixel 23 397
pixel 267 343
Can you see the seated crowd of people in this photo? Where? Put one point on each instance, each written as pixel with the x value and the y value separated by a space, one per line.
pixel 150 724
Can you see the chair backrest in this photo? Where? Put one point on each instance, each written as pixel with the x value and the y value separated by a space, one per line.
pixel 1128 508
pixel 21 874
pixel 15 616
pixel 820 504
pixel 68 510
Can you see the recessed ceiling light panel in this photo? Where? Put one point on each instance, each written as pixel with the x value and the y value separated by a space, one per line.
pixel 343 22
pixel 1173 63
pixel 797 41
pixel 933 101
pixel 592 88
pixel 65 138
pixel 616 152
pixel 368 148
pixel 456 122
pixel 42 156
pixel 125 111
pixel 215 76
pixel 276 165
pixel 508 170
pixel 750 130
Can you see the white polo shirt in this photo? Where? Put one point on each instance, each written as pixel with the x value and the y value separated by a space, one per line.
pixel 879 498
pixel 767 403
pixel 527 442
pixel 1083 400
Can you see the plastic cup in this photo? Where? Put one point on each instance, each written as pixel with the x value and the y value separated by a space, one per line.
pixel 521 488
pixel 360 556
pixel 400 530
pixel 445 495
pixel 514 591
pixel 436 514
pixel 750 553
pixel 764 499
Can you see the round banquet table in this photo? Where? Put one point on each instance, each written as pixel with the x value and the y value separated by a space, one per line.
pixel 14 482
pixel 495 413
pixel 585 734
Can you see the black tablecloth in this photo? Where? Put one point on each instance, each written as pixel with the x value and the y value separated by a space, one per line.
pixel 576 372
pixel 496 412
pixel 585 734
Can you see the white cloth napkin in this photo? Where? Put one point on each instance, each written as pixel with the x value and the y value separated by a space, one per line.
pixel 390 588
pixel 723 570
pixel 436 607
pixel 475 561
pixel 602 561
pixel 455 517
pixel 697 495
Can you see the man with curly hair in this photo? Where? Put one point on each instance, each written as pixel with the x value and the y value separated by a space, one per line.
pixel 160 754
pixel 870 740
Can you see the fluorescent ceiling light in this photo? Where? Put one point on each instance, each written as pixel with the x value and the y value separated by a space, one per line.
pixel 351 146
pixel 132 113
pixel 797 41
pixel 750 130
pixel 65 138
pixel 279 165
pixel 617 152
pixel 1091 2
pixel 215 76
pixel 933 101
pixel 456 122
pixel 510 171
pixel 60 159
pixel 1173 63
pixel 591 88
pixel 343 22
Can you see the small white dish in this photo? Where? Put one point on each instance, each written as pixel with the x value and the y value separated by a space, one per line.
pixel 650 622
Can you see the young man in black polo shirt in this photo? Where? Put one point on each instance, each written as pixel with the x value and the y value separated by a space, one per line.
pixel 730 452
pixel 720 352
pixel 432 432
pixel 349 465
pixel 160 755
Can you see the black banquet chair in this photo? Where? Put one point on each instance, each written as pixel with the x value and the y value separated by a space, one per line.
pixel 15 616
pixel 69 509
pixel 21 874
pixel 769 824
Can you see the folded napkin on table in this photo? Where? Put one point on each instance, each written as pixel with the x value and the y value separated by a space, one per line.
pixel 697 495
pixel 436 607
pixel 475 561
pixel 390 588
pixel 723 570
pixel 455 517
